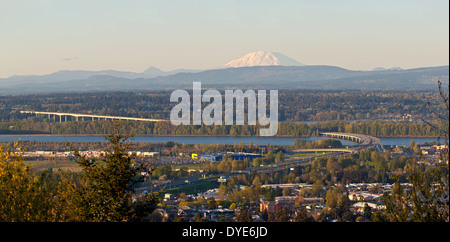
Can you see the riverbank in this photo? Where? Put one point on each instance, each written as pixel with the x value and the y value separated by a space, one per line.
pixel 256 140
pixel 102 127
pixel 174 135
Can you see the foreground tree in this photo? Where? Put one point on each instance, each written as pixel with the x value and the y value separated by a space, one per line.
pixel 430 190
pixel 23 198
pixel 110 181
pixel 428 200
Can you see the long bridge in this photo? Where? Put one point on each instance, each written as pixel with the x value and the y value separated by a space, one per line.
pixel 357 138
pixel 364 141
pixel 78 116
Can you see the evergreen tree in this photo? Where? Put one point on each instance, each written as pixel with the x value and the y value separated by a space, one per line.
pixel 110 181
pixel 428 200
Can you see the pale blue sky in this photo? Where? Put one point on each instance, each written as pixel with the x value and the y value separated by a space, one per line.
pixel 44 36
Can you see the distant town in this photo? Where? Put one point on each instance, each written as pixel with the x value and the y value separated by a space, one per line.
pixel 240 184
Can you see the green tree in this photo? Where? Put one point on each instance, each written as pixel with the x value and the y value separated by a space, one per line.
pixel 397 206
pixel 212 204
pixel 367 212
pixel 302 216
pixel 286 191
pixel 198 217
pixel 269 194
pixel 338 202
pixel 110 181
pixel 317 188
pixel 144 206
pixel 256 162
pixel 223 190
pixel 379 217
pixel 256 182
pixel 279 157
pixel 244 216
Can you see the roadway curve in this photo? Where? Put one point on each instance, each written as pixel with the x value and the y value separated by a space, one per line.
pixel 363 141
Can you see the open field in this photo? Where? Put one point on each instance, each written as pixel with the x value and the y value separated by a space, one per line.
pixel 194 189
pixel 40 165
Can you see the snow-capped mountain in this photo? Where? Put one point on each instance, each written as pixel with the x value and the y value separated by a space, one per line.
pixel 263 58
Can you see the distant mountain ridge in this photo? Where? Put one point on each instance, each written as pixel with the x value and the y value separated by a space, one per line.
pixel 256 70
pixel 257 77
pixel 67 75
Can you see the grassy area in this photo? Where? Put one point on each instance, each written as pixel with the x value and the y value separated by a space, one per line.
pixel 308 155
pixel 194 189
pixel 199 166
pixel 39 163
pixel 46 164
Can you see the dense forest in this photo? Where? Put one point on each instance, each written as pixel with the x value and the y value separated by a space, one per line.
pixel 375 128
pixel 385 113
pixel 294 105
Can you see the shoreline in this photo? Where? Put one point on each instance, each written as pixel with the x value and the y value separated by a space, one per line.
pixel 237 136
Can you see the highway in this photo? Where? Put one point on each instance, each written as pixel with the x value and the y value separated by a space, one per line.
pixel 194 180
pixel 362 142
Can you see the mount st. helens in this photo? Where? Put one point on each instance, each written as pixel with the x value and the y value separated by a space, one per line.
pixel 263 58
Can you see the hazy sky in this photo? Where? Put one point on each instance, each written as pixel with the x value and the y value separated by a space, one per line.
pixel 40 37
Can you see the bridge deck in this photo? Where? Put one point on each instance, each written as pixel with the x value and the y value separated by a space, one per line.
pixel 77 115
pixel 359 138
pixel 322 150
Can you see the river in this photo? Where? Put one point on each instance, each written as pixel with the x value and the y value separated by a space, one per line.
pixel 199 139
